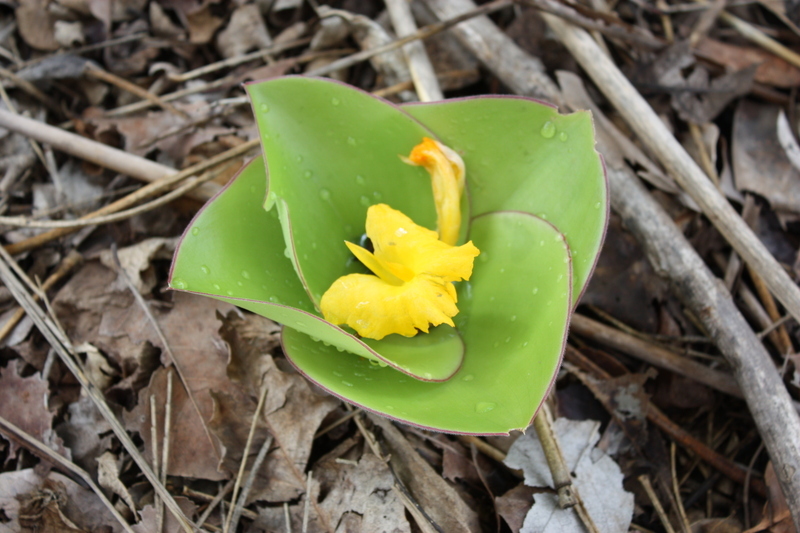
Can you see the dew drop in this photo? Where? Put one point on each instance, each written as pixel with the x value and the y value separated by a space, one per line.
pixel 178 283
pixel 229 293
pixel 364 201
pixel 543 216
pixel 325 194
pixel 563 136
pixel 557 237
pixel 468 377
pixel 484 257
pixel 390 407
pixel 204 269
pixel 427 375
pixel 377 195
pixel 337 374
pixel 382 364
pixel 335 101
pixel 597 205
pixel 245 274
pixel 239 283
pixel 541 243
pixel 299 158
pixel 195 231
pixel 513 318
pixel 560 277
pixel 484 407
pixel 264 108
pixel 307 174
pixel 508 339
pixel 524 344
pixel 351 141
pixel 360 180
pixel 535 290
pixel 548 130
pixel 347 383
pixel 216 287
pixel 502 270
pixel 566 259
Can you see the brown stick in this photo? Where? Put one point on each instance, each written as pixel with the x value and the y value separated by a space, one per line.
pixel 653 354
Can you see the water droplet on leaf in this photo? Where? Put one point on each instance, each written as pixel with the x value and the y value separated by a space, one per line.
pixel 548 130
pixel 484 407
pixel 325 194
pixel 195 231
pixel 468 377
pixel 563 136
pixel 204 269
pixel 178 283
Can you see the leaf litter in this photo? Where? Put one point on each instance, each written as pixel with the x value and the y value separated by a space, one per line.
pixel 325 467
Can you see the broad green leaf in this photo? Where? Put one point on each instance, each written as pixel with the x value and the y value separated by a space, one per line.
pixel 234 251
pixel 332 151
pixel 522 155
pixel 514 314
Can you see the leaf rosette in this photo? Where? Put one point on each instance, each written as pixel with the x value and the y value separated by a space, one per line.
pixel 535 205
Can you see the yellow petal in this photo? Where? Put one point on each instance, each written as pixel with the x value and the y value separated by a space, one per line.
pixel 447 179
pixel 397 239
pixel 375 308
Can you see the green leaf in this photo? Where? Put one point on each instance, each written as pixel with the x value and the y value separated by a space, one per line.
pixel 514 314
pixel 332 151
pixel 234 251
pixel 521 155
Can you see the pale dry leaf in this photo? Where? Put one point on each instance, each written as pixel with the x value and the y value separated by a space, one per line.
pixel 136 262
pixel 787 140
pixel 86 433
pixel 68 34
pixel 293 411
pixel 760 164
pixel 108 477
pixel 362 495
pixel 23 402
pixel 149 517
pixel 245 32
pixel 96 366
pixel 596 477
pixel 439 500
pixel 74 503
pixel 202 25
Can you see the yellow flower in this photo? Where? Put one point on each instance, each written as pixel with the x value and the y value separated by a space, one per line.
pixel 447 178
pixel 412 286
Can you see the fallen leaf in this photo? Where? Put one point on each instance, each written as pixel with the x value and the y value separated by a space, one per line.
pixel 293 412
pixel 595 476
pixel 37 25
pixel 108 478
pixel 149 517
pixel 245 32
pixel 760 164
pixel 514 505
pixel 436 497
pixel 136 261
pixel 770 70
pixel 86 433
pixel 361 494
pixel 47 503
pixel 23 402
pixel 777 515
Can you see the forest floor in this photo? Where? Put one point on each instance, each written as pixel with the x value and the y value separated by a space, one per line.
pixel 116 371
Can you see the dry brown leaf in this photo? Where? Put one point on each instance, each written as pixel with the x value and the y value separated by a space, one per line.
pixel 23 402
pixel 361 496
pixel 136 261
pixel 293 413
pixel 771 70
pixel 245 32
pixel 202 25
pixel 777 516
pixel 52 504
pixel 82 432
pixel 760 164
pixel 37 25
pixel 439 500
pixel 149 517
pixel 514 505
